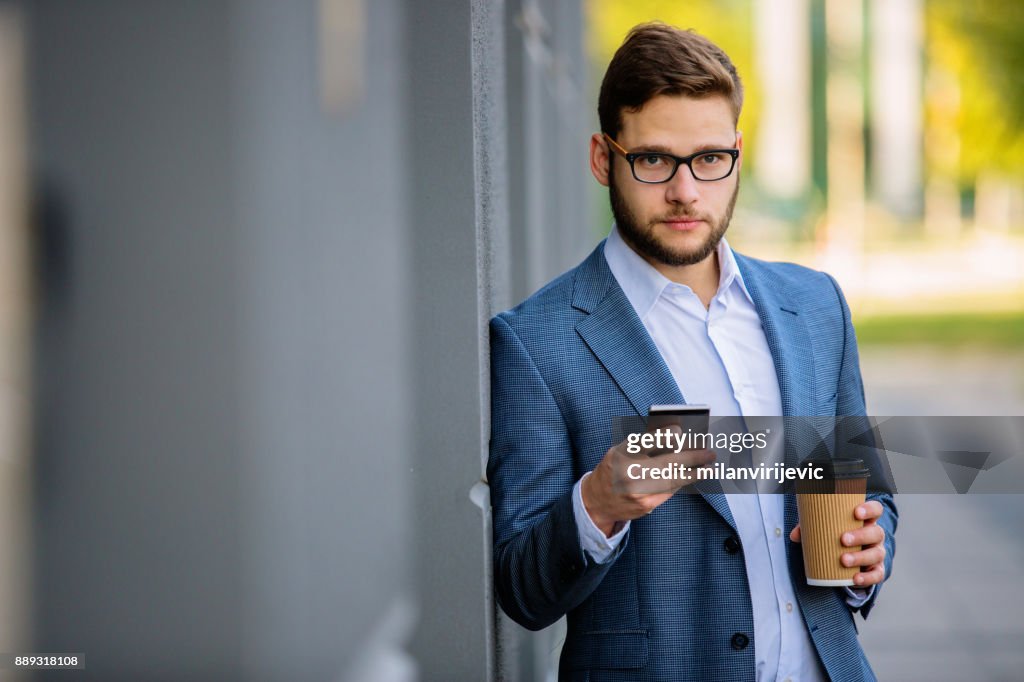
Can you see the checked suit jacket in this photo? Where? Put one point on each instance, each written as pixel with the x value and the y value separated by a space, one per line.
pixel 671 601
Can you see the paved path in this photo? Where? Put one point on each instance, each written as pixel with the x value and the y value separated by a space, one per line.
pixel 953 608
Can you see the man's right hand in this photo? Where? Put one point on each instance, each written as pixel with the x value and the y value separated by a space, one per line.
pixel 611 497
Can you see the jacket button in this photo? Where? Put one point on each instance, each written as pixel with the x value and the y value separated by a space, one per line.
pixel 740 641
pixel 732 545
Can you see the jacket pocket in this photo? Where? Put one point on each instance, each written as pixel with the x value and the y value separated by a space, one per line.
pixel 607 650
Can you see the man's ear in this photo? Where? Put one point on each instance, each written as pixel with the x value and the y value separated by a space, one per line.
pixel 599 159
pixel 739 145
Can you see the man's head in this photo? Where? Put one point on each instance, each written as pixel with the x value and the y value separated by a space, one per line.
pixel 673 92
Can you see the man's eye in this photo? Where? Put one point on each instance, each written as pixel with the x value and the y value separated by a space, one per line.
pixel 710 159
pixel 652 161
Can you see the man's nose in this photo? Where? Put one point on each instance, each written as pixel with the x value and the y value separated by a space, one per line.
pixel 683 188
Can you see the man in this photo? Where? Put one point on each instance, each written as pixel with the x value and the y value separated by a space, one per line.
pixel 656 585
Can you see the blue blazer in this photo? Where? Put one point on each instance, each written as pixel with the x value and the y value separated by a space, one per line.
pixel 671 602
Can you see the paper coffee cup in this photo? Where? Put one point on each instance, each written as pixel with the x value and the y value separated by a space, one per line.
pixel 826 509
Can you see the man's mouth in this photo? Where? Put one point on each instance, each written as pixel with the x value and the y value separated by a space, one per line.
pixel 683 224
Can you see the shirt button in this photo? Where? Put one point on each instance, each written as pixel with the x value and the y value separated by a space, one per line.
pixel 788 680
pixel 778 532
pixel 789 607
pixel 739 641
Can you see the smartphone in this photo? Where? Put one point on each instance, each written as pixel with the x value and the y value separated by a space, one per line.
pixel 689 418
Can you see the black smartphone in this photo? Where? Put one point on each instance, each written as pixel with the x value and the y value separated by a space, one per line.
pixel 691 419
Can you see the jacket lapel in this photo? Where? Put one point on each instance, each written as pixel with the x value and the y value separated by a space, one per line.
pixel 791 349
pixel 786 333
pixel 615 334
pixel 617 337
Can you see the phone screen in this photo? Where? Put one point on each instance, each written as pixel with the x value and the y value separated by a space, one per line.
pixel 689 418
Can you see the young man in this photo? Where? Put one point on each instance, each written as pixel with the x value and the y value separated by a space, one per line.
pixel 656 585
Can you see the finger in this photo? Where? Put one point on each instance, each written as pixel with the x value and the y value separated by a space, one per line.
pixel 645 504
pixel 697 464
pixel 865 557
pixel 651 477
pixel 645 485
pixel 872 576
pixel 640 505
pixel 692 458
pixel 794 535
pixel 685 462
pixel 662 474
pixel 872 509
pixel 652 442
pixel 868 535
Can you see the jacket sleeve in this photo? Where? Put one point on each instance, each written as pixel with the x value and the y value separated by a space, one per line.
pixel 850 402
pixel 540 570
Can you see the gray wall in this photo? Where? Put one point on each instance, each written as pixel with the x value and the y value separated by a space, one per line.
pixel 451 641
pixel 261 357
pixel 325 339
pixel 137 504
pixel 551 200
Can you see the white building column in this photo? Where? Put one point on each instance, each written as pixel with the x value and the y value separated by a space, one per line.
pixel 896 104
pixel 783 53
pixel 842 240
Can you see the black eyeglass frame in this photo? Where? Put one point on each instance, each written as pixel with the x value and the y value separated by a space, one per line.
pixel 631 157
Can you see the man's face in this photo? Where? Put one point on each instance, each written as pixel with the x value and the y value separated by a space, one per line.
pixel 679 222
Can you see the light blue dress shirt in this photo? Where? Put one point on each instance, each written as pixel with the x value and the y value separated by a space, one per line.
pixel 719 357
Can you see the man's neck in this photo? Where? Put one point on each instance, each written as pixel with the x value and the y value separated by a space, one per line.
pixel 701 277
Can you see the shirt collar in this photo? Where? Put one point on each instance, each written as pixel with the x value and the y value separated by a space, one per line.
pixel 643 284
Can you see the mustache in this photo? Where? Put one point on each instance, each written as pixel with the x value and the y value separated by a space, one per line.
pixel 686 215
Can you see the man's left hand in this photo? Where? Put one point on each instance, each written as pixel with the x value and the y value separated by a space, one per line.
pixel 871 557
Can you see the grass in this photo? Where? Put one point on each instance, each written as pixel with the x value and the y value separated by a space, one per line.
pixel 1000 330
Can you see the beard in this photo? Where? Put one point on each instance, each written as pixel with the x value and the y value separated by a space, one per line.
pixel 644 241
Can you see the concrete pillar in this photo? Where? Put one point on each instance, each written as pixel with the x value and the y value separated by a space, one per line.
pixel 16 318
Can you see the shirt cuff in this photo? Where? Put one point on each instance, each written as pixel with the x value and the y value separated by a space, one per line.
pixel 857 597
pixel 592 540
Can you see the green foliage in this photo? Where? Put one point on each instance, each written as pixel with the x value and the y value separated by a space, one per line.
pixel 973 54
pixel 1003 330
pixel 728 23
pixel 975 58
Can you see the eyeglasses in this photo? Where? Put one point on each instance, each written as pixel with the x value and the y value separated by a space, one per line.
pixel 654 167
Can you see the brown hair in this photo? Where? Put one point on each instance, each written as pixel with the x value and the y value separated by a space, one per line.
pixel 658 59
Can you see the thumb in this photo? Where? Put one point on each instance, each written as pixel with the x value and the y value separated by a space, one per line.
pixel 794 535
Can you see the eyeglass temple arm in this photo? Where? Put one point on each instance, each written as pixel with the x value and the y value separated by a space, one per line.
pixel 615 144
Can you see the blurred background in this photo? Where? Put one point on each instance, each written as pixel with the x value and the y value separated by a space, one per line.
pixel 248 251
pixel 885 145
